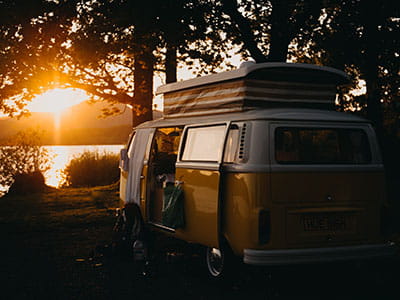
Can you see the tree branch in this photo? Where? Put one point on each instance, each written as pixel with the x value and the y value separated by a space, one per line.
pixel 231 9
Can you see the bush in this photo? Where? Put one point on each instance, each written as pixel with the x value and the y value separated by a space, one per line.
pixel 25 184
pixel 91 169
pixel 23 156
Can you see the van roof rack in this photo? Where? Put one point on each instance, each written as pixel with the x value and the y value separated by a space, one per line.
pixel 254 85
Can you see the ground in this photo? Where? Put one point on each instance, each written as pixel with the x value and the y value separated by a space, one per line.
pixel 55 245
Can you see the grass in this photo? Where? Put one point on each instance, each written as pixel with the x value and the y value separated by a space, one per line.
pixel 48 251
pixel 48 239
pixel 92 168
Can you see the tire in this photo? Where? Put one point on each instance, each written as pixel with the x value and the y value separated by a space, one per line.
pixel 222 264
pixel 215 262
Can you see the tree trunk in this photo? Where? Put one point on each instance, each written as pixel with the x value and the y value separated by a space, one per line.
pixel 279 40
pixel 143 86
pixel 143 81
pixel 171 64
pixel 371 69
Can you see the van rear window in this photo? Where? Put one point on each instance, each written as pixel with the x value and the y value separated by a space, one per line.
pixel 295 145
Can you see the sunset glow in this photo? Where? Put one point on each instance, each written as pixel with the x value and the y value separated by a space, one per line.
pixel 57 100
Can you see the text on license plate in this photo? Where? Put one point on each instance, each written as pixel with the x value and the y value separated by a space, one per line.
pixel 328 222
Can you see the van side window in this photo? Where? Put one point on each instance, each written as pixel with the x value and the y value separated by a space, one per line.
pixel 321 146
pixel 204 143
pixel 232 144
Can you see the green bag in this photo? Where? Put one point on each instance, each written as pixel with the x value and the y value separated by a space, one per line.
pixel 173 214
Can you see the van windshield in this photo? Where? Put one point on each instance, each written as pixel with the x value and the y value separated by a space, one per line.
pixel 296 145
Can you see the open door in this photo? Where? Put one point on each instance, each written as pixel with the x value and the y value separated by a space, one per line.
pixel 161 170
pixel 198 171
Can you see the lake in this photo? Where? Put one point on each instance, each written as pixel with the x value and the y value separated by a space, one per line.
pixel 62 155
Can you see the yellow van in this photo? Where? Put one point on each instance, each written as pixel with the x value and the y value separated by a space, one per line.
pixel 263 166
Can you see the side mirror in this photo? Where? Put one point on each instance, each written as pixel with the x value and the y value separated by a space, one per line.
pixel 124 160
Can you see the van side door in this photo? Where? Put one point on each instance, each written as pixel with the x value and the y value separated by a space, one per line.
pixel 198 169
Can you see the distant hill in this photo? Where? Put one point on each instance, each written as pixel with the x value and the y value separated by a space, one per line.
pixel 85 115
pixel 79 125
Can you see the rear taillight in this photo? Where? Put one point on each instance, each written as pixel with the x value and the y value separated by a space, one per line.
pixel 264 226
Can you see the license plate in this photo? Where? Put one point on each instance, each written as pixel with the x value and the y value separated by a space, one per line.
pixel 330 222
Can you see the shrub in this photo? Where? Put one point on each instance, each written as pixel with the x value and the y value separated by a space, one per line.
pixel 25 184
pixel 23 156
pixel 91 168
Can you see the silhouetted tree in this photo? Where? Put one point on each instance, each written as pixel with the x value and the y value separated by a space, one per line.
pixel 111 49
pixel 267 28
pixel 115 47
pixel 29 50
pixel 361 37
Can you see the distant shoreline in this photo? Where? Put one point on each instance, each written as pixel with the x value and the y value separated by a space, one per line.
pixel 88 145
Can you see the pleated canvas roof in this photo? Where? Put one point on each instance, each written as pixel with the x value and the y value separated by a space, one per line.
pixel 252 86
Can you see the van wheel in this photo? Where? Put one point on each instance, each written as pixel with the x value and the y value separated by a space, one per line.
pixel 215 259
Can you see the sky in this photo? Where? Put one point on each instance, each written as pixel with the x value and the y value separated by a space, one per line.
pixel 57 100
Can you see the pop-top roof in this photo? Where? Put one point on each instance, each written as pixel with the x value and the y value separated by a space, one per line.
pixel 253 85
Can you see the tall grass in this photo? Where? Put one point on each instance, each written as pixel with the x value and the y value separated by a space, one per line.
pixel 91 168
pixel 23 160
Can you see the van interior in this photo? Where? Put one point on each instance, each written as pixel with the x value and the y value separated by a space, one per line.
pixel 161 172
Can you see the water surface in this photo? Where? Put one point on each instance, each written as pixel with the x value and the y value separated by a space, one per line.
pixel 62 155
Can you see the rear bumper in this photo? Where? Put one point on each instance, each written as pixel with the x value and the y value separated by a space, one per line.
pixel 317 255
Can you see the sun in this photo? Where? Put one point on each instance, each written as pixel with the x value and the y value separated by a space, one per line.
pixel 57 100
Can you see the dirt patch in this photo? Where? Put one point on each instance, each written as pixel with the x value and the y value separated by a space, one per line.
pixel 55 247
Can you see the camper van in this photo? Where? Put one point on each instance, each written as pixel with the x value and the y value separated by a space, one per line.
pixel 256 163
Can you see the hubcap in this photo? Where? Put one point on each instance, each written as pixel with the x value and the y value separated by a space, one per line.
pixel 215 261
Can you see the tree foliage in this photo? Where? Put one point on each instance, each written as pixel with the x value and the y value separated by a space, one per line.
pixel 31 34
pixel 358 36
pixel 117 46
pixel 108 48
pixel 362 38
pixel 112 49
pixel 266 28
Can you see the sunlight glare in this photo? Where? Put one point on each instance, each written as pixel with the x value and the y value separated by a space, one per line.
pixel 60 160
pixel 57 100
